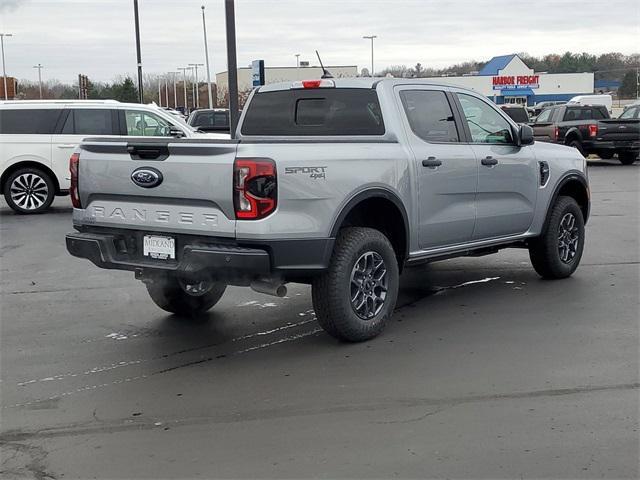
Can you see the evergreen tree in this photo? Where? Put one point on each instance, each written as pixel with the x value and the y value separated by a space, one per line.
pixel 629 87
pixel 125 91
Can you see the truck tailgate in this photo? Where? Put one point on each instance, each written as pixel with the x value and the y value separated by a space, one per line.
pixel 619 129
pixel 194 194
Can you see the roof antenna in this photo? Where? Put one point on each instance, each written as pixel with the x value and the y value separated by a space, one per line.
pixel 325 72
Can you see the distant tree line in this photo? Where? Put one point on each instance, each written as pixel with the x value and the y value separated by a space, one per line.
pixel 122 89
pixel 608 66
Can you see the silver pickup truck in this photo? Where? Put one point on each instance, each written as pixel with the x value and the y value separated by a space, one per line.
pixel 340 184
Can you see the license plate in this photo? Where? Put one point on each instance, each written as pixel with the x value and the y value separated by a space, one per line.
pixel 160 248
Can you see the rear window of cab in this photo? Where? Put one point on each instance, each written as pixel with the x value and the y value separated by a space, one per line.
pixel 314 112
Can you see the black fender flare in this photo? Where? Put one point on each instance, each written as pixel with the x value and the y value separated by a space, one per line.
pixel 556 192
pixel 573 131
pixel 375 192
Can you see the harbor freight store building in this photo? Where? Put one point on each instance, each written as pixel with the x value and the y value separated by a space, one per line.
pixel 507 79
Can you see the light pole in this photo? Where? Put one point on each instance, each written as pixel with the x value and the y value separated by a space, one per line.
pixel 232 64
pixel 166 90
pixel 39 67
pixel 196 89
pixel 4 71
pixel 206 57
pixel 159 91
pixel 371 37
pixel 138 54
pixel 193 99
pixel 175 89
pixel 297 55
pixel 184 84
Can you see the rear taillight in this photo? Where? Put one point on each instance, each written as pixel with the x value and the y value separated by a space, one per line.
pixel 593 130
pixel 74 165
pixel 255 188
pixel 556 133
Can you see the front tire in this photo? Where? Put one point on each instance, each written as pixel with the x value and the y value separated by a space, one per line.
pixel 354 299
pixel 177 296
pixel 627 158
pixel 29 190
pixel 557 252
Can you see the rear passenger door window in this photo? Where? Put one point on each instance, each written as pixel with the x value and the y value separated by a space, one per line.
pixel 575 114
pixel 430 115
pixel 90 121
pixel 485 124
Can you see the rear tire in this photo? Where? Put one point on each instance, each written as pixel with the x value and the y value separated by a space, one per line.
pixel 176 296
pixel 557 252
pixel 627 158
pixel 29 190
pixel 578 146
pixel 356 296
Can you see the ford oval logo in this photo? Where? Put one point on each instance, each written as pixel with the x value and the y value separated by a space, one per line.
pixel 146 177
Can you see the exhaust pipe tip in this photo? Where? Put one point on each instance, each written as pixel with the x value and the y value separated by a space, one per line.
pixel 273 288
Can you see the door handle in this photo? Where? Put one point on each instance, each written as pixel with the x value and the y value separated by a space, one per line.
pixel 148 152
pixel 431 162
pixel 66 145
pixel 489 161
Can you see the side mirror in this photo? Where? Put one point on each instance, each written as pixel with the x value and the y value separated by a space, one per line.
pixel 176 132
pixel 525 135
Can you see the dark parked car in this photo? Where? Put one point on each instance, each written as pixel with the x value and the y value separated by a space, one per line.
pixel 517 113
pixel 590 129
pixel 632 112
pixel 210 120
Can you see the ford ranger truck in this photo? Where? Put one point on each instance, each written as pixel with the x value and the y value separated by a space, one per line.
pixel 336 183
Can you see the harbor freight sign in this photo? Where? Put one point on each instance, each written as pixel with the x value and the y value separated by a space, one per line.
pixel 515 81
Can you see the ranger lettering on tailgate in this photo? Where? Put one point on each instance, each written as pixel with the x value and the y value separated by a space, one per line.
pixel 138 214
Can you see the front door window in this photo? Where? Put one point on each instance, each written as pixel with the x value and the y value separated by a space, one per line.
pixel 145 124
pixel 485 123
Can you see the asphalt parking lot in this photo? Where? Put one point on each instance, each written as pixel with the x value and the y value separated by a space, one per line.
pixel 486 371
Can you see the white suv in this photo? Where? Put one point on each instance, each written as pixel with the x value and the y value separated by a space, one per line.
pixel 38 137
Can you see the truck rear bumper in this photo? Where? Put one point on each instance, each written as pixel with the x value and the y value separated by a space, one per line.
pixel 615 145
pixel 221 258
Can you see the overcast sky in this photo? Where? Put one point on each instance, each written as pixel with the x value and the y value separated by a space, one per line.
pixel 97 37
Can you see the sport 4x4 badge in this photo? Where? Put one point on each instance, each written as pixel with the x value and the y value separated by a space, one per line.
pixel 313 172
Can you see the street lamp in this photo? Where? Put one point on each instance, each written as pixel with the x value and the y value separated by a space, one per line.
pixel 196 90
pixel 39 67
pixel 206 56
pixel 193 98
pixel 175 89
pixel 138 54
pixel 166 90
pixel 184 84
pixel 4 71
pixel 159 91
pixel 297 55
pixel 371 37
